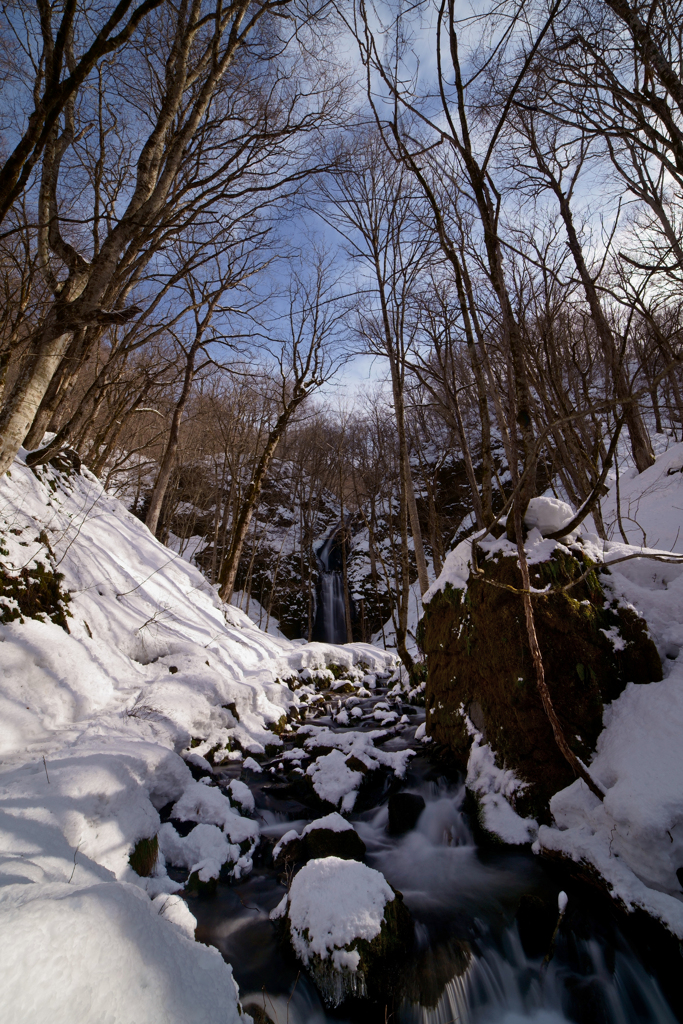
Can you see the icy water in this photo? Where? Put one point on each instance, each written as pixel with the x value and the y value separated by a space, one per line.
pixel 484 917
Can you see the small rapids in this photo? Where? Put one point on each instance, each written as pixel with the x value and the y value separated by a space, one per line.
pixel 477 959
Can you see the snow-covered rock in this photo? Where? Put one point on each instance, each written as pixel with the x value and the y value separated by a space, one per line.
pixel 634 838
pixel 341 916
pixel 329 836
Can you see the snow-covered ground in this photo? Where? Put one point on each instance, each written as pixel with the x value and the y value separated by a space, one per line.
pixel 634 839
pixel 94 723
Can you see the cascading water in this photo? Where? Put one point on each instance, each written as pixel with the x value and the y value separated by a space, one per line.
pixel 475 960
pixel 331 616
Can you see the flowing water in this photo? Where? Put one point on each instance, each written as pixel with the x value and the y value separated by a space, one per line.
pixel 477 959
pixel 330 624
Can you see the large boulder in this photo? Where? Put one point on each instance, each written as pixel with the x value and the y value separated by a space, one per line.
pixel 331 836
pixel 347 926
pixel 481 680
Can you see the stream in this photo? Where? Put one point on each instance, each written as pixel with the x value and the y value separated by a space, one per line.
pixel 483 916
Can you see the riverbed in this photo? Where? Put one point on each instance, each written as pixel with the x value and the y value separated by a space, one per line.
pixel 489 945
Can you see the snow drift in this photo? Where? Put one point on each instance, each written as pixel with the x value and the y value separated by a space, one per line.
pixel 98 724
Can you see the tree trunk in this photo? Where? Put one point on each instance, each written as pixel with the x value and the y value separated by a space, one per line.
pixel 230 565
pixel 27 394
pixel 60 386
pixel 169 456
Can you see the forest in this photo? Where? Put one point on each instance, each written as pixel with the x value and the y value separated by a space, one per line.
pixel 482 208
pixel 341 352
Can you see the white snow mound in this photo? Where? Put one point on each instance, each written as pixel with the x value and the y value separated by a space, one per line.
pixel 332 902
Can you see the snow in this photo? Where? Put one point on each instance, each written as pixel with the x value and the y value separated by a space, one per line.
pixel 103 952
pixel 495 789
pixel 562 901
pixel 332 778
pixel 207 804
pixel 98 724
pixel 332 902
pixel 332 822
pixel 456 569
pixel 548 515
pixel 334 781
pixel 651 503
pixel 634 838
pixel 205 850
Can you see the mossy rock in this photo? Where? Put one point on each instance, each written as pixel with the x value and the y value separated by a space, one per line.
pixel 322 842
pixel 196 887
pixel 278 727
pixel 479 662
pixel 34 592
pixel 344 687
pixel 144 857
pixel 381 961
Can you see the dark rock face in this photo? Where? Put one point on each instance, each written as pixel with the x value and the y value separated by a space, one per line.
pixel 322 842
pixel 404 810
pixel 479 664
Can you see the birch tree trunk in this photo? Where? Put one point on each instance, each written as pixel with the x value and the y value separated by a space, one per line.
pixel 27 394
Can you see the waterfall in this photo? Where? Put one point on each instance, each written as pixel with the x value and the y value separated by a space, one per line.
pixel 331 616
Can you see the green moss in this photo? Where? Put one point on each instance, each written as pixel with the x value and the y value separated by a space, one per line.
pixel 34 592
pixel 278 727
pixel 478 657
pixel 195 886
pixel 144 856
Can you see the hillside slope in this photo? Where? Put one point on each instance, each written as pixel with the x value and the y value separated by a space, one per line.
pixel 134 663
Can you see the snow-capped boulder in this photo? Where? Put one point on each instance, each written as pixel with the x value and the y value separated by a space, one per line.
pixel 331 836
pixel 347 926
pixel 482 698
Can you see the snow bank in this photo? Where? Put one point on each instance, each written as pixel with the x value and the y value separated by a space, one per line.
pixel 650 503
pixel 97 726
pixel 634 839
pixel 105 953
pixel 495 789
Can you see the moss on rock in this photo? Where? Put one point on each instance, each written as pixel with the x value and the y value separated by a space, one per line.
pixel 34 592
pixel 144 857
pixel 479 663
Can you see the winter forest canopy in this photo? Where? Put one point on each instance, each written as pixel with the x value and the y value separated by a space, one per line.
pixel 209 213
